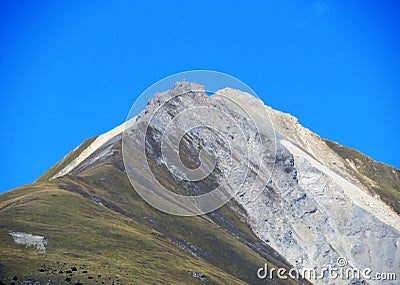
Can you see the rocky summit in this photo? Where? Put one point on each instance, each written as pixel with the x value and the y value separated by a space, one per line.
pixel 287 199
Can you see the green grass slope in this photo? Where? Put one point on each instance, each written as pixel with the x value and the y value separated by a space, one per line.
pixel 385 179
pixel 101 244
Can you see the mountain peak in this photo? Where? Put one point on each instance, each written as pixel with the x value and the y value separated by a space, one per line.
pixel 185 86
pixel 297 199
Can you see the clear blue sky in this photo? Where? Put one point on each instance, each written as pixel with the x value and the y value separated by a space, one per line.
pixel 72 69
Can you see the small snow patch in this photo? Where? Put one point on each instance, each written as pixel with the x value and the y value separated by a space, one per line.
pixel 37 242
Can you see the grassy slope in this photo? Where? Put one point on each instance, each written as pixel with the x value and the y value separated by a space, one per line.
pixel 83 234
pixel 386 178
pixel 126 240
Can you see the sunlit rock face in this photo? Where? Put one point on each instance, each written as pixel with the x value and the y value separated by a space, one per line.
pixel 306 211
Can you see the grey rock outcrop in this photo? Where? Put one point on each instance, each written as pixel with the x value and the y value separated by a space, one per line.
pixel 304 210
pixel 35 241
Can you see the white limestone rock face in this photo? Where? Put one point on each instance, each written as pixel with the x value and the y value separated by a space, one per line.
pixel 317 222
pixel 306 211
